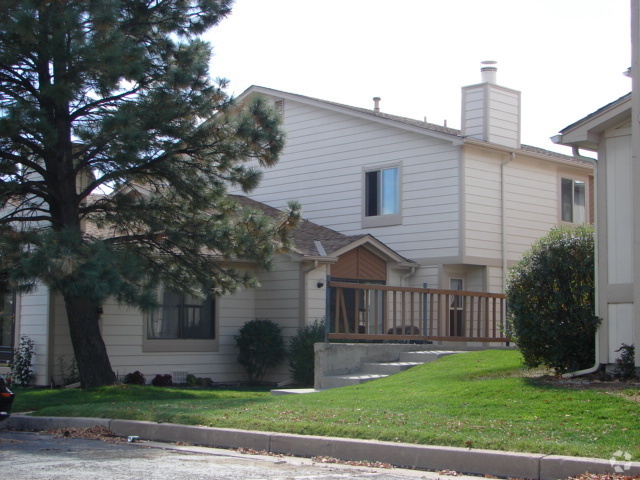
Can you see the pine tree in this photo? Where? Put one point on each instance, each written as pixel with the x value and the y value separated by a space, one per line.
pixel 116 152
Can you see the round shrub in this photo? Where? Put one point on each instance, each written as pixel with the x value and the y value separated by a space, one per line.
pixel 162 381
pixel 550 297
pixel 261 347
pixel 301 353
pixel 134 378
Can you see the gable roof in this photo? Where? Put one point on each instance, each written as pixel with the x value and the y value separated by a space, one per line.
pixel 585 133
pixel 315 241
pixel 446 133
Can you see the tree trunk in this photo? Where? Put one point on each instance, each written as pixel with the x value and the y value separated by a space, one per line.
pixel 90 351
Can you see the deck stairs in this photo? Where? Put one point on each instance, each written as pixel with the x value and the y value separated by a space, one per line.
pixel 373 371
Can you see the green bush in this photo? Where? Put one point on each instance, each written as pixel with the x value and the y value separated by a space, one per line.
pixel 22 373
pixel 626 363
pixel 261 347
pixel 301 354
pixel 550 297
pixel 134 378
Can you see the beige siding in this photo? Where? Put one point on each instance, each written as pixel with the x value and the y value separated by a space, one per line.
pixel 316 297
pixel 531 202
pixel 32 313
pixel 619 207
pixel 322 167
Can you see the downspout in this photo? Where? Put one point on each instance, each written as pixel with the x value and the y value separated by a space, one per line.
pixel 409 274
pixel 596 366
pixel 504 219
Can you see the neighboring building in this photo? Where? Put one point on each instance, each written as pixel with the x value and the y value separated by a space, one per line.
pixel 464 205
pixel 613 132
pixel 291 294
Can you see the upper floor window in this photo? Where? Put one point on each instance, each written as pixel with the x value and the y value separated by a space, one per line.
pixel 573 197
pixel 382 204
pixel 382 192
pixel 182 316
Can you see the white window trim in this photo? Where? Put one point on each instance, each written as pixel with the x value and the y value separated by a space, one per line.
pixel 381 220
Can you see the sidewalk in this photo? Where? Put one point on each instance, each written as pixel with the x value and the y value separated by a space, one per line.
pixel 462 460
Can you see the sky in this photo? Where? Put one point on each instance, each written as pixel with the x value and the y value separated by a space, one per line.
pixel 567 57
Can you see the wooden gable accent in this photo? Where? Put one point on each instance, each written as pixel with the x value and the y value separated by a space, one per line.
pixel 360 264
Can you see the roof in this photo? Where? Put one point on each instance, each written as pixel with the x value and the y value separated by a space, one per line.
pixel 307 234
pixel 452 133
pixel 598 112
pixel 585 133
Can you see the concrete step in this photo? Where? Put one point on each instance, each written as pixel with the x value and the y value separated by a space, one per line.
pixel 388 368
pixel 337 381
pixel 373 371
pixel 426 355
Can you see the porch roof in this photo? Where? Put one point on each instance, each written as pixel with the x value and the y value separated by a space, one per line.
pixel 307 235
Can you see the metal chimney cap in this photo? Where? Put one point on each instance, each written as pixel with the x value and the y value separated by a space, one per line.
pixel 376 104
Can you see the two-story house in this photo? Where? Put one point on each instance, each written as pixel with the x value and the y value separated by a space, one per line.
pixel 463 204
pixel 388 200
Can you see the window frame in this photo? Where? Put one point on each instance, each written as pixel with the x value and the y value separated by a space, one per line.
pixel 586 207
pixel 182 344
pixel 381 219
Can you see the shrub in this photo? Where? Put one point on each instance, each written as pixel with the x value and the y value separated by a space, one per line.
pixel 626 364
pixel 261 347
pixel 550 295
pixel 68 373
pixel 22 368
pixel 301 353
pixel 191 380
pixel 162 381
pixel 135 378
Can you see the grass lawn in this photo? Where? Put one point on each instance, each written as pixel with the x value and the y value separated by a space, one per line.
pixel 477 400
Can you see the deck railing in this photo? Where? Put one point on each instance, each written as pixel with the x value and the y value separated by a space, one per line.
pixel 379 312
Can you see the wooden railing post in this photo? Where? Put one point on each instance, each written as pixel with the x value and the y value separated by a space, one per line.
pixel 327 309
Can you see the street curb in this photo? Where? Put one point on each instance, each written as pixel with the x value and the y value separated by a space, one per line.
pixel 427 457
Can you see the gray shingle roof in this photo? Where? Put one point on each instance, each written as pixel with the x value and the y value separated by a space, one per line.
pixel 307 233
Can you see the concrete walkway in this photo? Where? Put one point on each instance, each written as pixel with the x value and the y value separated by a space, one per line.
pixel 462 460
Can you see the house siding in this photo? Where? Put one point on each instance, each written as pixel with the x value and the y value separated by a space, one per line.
pixel 531 202
pixel 323 164
pixel 32 313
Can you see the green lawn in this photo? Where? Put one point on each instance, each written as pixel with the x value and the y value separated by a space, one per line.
pixel 478 400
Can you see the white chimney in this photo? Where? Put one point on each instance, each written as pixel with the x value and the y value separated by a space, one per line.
pixel 490 112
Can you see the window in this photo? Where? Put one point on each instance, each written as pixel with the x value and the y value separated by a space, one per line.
pixel 182 317
pixel 381 192
pixel 573 201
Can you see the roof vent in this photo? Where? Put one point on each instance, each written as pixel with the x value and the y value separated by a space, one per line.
pixel 376 104
pixel 489 71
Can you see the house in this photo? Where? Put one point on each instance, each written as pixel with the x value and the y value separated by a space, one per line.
pixel 291 293
pixel 388 200
pixel 613 132
pixel 462 204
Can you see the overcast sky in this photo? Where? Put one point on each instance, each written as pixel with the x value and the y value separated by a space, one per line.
pixel 567 57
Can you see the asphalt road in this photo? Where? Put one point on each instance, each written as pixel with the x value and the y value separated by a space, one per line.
pixel 33 456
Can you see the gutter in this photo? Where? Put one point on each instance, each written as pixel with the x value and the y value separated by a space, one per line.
pixel 576 154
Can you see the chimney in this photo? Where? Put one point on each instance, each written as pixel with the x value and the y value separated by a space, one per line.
pixel 489 71
pixel 490 112
pixel 376 104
